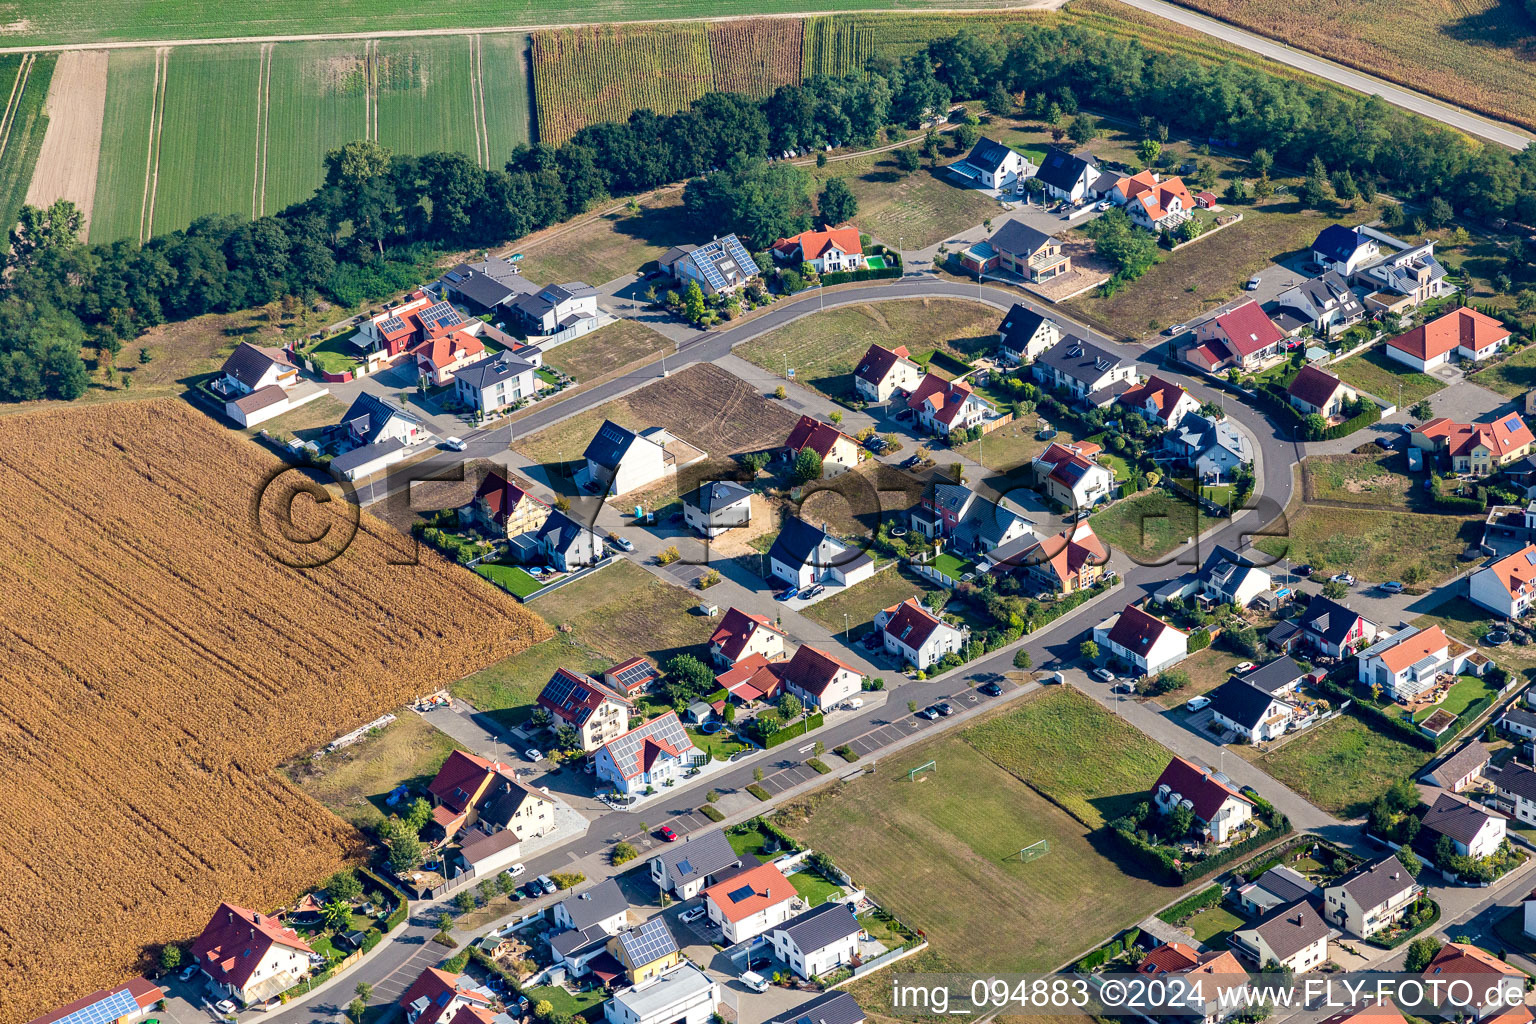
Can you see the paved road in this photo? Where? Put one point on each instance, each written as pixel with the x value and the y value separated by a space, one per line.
pixel 1456 117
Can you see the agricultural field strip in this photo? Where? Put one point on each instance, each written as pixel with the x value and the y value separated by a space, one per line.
pixel 263 123
pixel 19 86
pixel 152 157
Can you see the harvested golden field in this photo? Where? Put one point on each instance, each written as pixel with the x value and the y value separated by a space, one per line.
pixel 159 664
pixel 757 55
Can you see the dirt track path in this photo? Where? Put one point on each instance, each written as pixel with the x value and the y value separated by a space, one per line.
pixel 71 151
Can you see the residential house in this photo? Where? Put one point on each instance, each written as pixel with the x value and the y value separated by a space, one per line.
pixel 1162 402
pixel 1488 975
pixel 395 332
pixel 493 384
pixel 620 460
pixel 1067 473
pixel 1342 250
pixel 1506 587
pixel 1228 578
pixel 373 433
pixel 247 410
pixel 602 906
pixel 1474 831
pixel 487 286
pixel 830 251
pixel 1461 769
pixel 1518 722
pixel 254 382
pixel 1410 661
pixel 1143 641
pixel 249 956
pixel 502 508
pixel 569 310
pixel 1096 375
pixel 833 1007
pixel 992 165
pixel 1461 334
pixel 1018 249
pixel 753 678
pixel 1318 392
pixel 1255 715
pixel 966 520
pixel 1243 337
pixel 1515 785
pixel 654 755
pixel 1158 205
pixel 1325 304
pixel 751 903
pixel 127 1002
pixel 803 554
pixel 838 452
pixel 720 266
pixel 1277 887
pixel 1334 630
pixel 597 713
pixel 1024 334
pixel 1295 937
pixel 567 544
pixel 699 861
pixel 440 357
pixel 1169 958
pixel 1478 449
pixel 818 679
pixel 1215 981
pixel 468 789
pixel 436 996
pixel 1213 448
pixel 717 506
pixel 684 995
pixel 945 406
pixel 1383 1012
pixel 645 952
pixel 482 853
pixel 819 941
pixel 512 805
pixel 1067 177
pixel 1067 562
pixel 910 631
pixel 1370 898
pixel 883 372
pixel 741 634
pixel 1404 280
pixel 1277 678
pixel 1218 807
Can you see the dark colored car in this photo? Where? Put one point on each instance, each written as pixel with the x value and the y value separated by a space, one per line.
pixel 990 689
pixel 944 709
pixel 1303 570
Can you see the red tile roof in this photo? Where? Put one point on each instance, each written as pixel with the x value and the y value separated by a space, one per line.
pixel 1168 959
pixel 943 398
pixel 1314 386
pixel 1137 631
pixel 459 779
pixel 813 243
pixel 1197 785
pixel 439 988
pixel 235 940
pixel 736 630
pixel 752 678
pixel 1501 437
pixel 573 697
pixel 501 495
pixel 1384 1012
pixel 1156 201
pixel 877 362
pixel 1067 553
pixel 1463 328
pixel 445 349
pixel 1463 958
pixel 910 623
pixel 754 890
pixel 819 437
pixel 144 992
pixel 1417 647
pixel 1162 395
pixel 813 671
pixel 1248 330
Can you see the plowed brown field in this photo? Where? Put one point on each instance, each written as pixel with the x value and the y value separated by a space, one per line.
pixel 156 665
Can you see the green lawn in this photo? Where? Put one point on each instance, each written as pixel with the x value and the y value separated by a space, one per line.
pixel 563 1001
pixel 814 889
pixel 754 841
pixel 951 566
pixel 1012 447
pixel 1381 376
pixel 1214 925
pixel 1469 623
pixel 1380 478
pixel 909 211
pixel 861 602
pixel 1150 525
pixel 720 745
pixel 1373 545
pixel 1462 693
pixel 1512 377
pixel 1343 764
pixel 336 354
pixel 1206 669
pixel 511 578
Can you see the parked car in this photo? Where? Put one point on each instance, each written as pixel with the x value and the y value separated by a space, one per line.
pixel 548 885
pixel 944 709
pixel 454 444
pixel 1123 688
pixel 666 834
pixel 622 543
pixel 788 595
pixel 515 870
pixel 690 916
pixel 990 689
pixel 534 754
pixel 853 703
pixel 816 591
pixel 1241 667
pixel 754 981
pixel 929 713
pixel 225 1006
pixel 187 972
pixel 1252 283
pixel 1383 442
pixel 1197 704
pixel 910 461
pixel 1342 577
pixel 1407 428
pixel 1103 675
pixel 1303 570
pixel 1392 587
pixel 1104 205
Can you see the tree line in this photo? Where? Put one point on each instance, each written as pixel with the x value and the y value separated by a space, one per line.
pixel 378 216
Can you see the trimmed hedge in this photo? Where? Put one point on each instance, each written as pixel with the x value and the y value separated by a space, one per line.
pixel 759 792
pixel 711 812
pixel 402 905
pixel 847 753
pixel 1192 904
pixel 1161 857
pixel 1277 402
pixel 1412 933
pixel 818 766
pixel 789 732
pixel 844 276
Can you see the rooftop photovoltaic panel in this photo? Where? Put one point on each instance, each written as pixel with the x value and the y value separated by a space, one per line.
pixel 391 324
pixel 738 252
pixel 625 750
pixel 648 943
pixel 119 1004
pixel 636 673
pixel 744 893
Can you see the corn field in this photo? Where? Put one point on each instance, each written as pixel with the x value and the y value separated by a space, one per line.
pixel 755 56
pixel 159 665
pixel 834 46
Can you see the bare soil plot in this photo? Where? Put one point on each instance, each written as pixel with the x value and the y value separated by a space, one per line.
pixel 140 743
pixel 354 781
pixel 1375 479
pixel 66 164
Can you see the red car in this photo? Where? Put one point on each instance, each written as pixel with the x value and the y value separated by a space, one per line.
pixel 667 835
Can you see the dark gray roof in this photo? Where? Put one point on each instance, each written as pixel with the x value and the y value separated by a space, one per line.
pixel 598 903
pixel 1337 242
pixel 574 940
pixel 1328 619
pixel 715 495
pixel 562 532
pixel 1454 817
pixel 799 543
pixel 827 1008
pixel 609 444
pixel 1241 703
pixel 818 928
pixel 1318 296
pixel 1276 675
pixel 488 372
pixel 674 254
pixel 1521 717
pixel 1080 360
pixel 699 856
pixel 1517 780
pixel 368 413
pixel 1375 884
pixel 365 454
pixel 1282 632
pixel 1285 884
pixel 1062 170
pixel 1017 238
pixel 988 154
pixel 248 362
pixel 1291 929
pixel 1019 326
pixel 1462 763
pixel 488 283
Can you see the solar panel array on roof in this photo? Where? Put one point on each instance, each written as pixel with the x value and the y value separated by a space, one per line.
pixel 743 893
pixel 648 943
pixel 738 252
pixel 390 325
pixel 441 314
pixel 1513 423
pixel 1530 557
pixel 625 750
pixel 116 1005
pixel 635 674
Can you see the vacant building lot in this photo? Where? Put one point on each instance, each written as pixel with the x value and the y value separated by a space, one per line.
pixel 854 608
pixel 1206 670
pixel 1379 375
pixel 1374 545
pixel 1378 478
pixel 1512 377
pixel 354 782
pixel 1342 765
pixel 604 351
pixel 1150 525
pixel 195 663
pixel 610 245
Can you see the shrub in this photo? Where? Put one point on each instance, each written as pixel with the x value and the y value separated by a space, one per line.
pixel 623 853
pixel 712 813
pixel 847 753
pixel 759 792
pixel 819 766
pixel 567 879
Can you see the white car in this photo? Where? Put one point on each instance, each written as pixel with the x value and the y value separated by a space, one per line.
pixel 225 1006
pixel 515 870
pixel 854 703
pixel 454 444
pixel 1342 577
pixel 1242 667
pixel 754 981
pixel 690 916
pixel 534 754
pixel 1196 703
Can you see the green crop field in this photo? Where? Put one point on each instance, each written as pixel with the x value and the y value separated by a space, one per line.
pixel 317 102
pixel 424 94
pixel 25 79
pixel 125 138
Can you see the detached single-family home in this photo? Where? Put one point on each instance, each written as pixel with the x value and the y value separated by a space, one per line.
pixel 1254 714
pixel 1162 402
pixel 632 676
pixel 568 310
pixel 502 508
pixel 1478 449
pixel 944 406
pixel 1024 334
pixel 969 522
pixel 1315 391
pixel 1409 661
pixel 829 251
pixel 910 631
pixel 803 554
pixel 699 861
pixel 1066 562
pixel 1066 176
pixel 1277 678
pixel 1213 448
pixel 743 634
pixel 254 383
pixel 645 952
pixel 1217 805
pixel 127 1002
pixel 818 941
pixel 1474 831
pixel 1243 337
pixel 1018 249
pixel 1093 374
pixel 838 452
pixel 717 506
pixel 1160 205
pixel 1370 898
pixel 1343 250
pixel 1333 629
pixel 597 713
pixel 1515 785
pixel 684 995
pixel 1504 982
pixel 469 790
pixel 1518 722
pixel 485 852
pixel 832 1007
pixel 1295 937
pixel 567 544
pixel 395 332
pixel 1068 474
pixel 753 902
pixel 1507 586
pixel 620 460
pixel 991 164
pixel 1143 641
pixel 1277 887
pixel 436 997
pixel 1228 578
pixel 753 678
pixel 602 906
pixel 1461 769
pixel 883 372
pixel 647 758
pixel 374 433
pixel 487 286
pixel 1460 334
pixel 491 385
pixel 249 956
pixel 1404 280
pixel 440 357
pixel 720 266
pixel 819 679
pixel 1325 304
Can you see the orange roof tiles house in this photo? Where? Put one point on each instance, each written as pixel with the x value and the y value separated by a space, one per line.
pixel 742 633
pixel 1476 448
pixel 1462 333
pixel 1508 586
pixel 436 996
pixel 596 712
pixel 838 452
pixel 445 353
pixel 1159 400
pixel 1480 968
pixel 128 1001
pixel 752 678
pixel 751 903
pixel 910 631
pixel 1067 562
pixel 944 406
pixel 648 757
pixel 819 679
pixel 829 251
pixel 250 956
pixel 1168 958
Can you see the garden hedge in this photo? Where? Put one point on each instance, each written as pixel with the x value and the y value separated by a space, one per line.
pixel 402 905
pixel 1191 904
